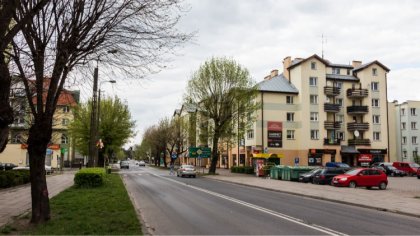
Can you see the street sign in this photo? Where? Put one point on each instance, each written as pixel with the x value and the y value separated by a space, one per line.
pixel 199 152
pixel 173 156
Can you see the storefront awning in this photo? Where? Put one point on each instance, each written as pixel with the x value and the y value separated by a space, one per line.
pixel 349 150
pixel 267 155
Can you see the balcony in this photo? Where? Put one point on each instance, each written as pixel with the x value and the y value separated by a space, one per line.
pixel 332 125
pixel 357 109
pixel 332 91
pixel 357 126
pixel 354 142
pixel 331 107
pixel 357 93
pixel 331 141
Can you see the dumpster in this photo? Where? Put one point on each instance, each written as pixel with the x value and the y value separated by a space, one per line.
pixel 296 170
pixel 285 175
pixel 275 172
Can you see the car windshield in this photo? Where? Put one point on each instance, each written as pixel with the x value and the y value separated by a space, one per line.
pixel 414 165
pixel 313 171
pixel 352 172
pixel 187 166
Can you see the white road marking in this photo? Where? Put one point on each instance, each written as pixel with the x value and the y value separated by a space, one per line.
pixel 262 209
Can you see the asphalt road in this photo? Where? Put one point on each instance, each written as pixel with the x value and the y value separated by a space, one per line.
pixel 170 205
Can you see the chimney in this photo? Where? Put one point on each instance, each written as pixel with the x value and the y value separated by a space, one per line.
pixel 286 63
pixel 274 73
pixel 356 63
pixel 268 77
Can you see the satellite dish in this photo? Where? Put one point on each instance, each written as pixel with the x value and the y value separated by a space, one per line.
pixel 356 133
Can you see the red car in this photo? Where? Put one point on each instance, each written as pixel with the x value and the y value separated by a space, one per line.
pixel 363 177
pixel 409 167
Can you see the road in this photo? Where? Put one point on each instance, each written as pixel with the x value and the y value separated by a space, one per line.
pixel 184 206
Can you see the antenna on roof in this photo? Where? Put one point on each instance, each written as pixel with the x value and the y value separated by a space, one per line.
pixel 322 42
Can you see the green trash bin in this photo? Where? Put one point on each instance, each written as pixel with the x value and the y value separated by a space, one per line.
pixel 285 175
pixel 280 171
pixel 273 171
pixel 297 170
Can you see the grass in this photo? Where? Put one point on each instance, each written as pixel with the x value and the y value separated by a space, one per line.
pixel 105 210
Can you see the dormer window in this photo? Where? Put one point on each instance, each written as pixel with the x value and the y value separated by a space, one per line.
pixel 374 72
pixel 336 71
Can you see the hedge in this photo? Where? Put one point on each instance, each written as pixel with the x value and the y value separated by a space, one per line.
pixel 242 169
pixel 10 178
pixel 89 177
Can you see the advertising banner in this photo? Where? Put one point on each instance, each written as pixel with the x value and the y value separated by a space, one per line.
pixel 274 134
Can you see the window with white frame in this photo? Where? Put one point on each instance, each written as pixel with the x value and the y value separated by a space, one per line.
pixel 415 154
pixel 403 125
pixel 66 109
pixel 339 118
pixel 313 99
pixel 376 119
pixel 64 139
pixel 414 140
pixel 313 81
pixel 340 135
pixel 413 125
pixel 339 101
pixel 339 85
pixel 65 121
pixel 375 102
pixel 348 71
pixel 289 99
pixel 413 111
pixel 374 71
pixel 250 134
pixel 290 116
pixel 313 65
pixel 404 154
pixel 376 136
pixel 314 134
pixel 374 86
pixel 404 140
pixel 336 71
pixel 314 116
pixel 403 111
pixel 290 134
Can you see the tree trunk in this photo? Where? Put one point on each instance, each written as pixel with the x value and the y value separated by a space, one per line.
pixel 6 112
pixel 39 137
pixel 214 157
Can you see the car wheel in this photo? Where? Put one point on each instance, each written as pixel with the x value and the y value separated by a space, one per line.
pixel 418 176
pixel 382 186
pixel 352 184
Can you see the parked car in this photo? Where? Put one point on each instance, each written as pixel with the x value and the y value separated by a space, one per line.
pixel 48 169
pixel 186 170
pixel 363 177
pixel 142 163
pixel 125 164
pixel 409 167
pixel 327 174
pixel 337 164
pixel 7 166
pixel 308 176
pixel 418 173
pixel 389 169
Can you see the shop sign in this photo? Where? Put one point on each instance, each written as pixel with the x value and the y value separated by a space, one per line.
pixel 274 134
pixel 365 158
pixel 314 160
pixel 372 151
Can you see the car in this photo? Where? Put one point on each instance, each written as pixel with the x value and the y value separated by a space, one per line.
pixel 142 163
pixel 337 164
pixel 125 164
pixel 308 176
pixel 48 169
pixel 388 169
pixel 7 166
pixel 327 174
pixel 409 167
pixel 186 170
pixel 363 177
pixel 418 173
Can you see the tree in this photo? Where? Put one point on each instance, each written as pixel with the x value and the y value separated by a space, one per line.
pixel 223 92
pixel 64 39
pixel 115 126
pixel 177 137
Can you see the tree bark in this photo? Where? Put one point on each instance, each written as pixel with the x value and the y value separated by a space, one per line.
pixel 6 112
pixel 39 137
pixel 214 157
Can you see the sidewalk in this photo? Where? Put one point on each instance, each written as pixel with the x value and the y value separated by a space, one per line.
pixel 396 198
pixel 17 200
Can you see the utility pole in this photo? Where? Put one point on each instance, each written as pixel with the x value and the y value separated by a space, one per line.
pixel 93 159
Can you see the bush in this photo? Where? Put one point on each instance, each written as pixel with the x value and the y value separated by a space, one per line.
pixel 242 169
pixel 89 177
pixel 10 178
pixel 249 170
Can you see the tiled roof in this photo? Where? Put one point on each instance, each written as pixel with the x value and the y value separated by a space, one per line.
pixel 65 99
pixel 370 63
pixel 278 84
pixel 342 77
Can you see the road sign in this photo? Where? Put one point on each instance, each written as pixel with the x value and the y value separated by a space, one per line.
pixel 199 152
pixel 173 156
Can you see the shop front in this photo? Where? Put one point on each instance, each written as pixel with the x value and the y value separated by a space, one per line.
pixel 369 156
pixel 317 157
pixel 349 155
pixel 262 161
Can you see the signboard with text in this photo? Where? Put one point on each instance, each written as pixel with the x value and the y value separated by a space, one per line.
pixel 274 134
pixel 199 152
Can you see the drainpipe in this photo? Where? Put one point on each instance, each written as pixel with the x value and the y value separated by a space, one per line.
pixel 262 120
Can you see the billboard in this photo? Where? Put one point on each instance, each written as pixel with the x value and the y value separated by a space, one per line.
pixel 274 134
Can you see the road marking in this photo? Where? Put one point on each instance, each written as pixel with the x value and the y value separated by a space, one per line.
pixel 262 209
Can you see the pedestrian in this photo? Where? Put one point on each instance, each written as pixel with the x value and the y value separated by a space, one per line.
pixel 171 166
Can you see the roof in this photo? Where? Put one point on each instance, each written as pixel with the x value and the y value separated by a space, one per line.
pixel 65 99
pixel 342 77
pixel 371 63
pixel 298 62
pixel 188 107
pixel 340 65
pixel 278 84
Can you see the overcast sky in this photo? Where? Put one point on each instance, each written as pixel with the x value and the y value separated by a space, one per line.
pixel 259 34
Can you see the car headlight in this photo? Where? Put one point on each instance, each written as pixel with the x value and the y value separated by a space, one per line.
pixel 343 179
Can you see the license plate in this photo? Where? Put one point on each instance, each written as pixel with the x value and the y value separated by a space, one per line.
pixel 335 181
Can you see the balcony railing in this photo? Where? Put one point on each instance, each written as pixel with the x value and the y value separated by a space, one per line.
pixel 357 109
pixel 331 107
pixel 357 126
pixel 354 142
pixel 332 124
pixel 357 93
pixel 332 91
pixel 331 141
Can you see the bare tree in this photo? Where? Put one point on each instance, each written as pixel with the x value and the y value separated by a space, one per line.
pixel 64 39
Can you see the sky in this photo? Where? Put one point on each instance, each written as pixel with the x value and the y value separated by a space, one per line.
pixel 259 34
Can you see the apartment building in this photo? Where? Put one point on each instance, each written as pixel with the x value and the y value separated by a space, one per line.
pixel 317 111
pixel 404 131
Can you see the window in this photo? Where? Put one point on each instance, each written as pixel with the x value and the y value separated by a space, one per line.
pixel 404 154
pixel 376 136
pixel 414 154
pixel 64 121
pixel 413 125
pixel 375 102
pixel 339 85
pixel 313 99
pixel 17 139
pixel 339 101
pixel 336 71
pixel 289 99
pixel 66 109
pixel 290 116
pixel 376 119
pixel 414 140
pixel 374 71
pixel 314 116
pixel 413 111
pixel 313 65
pixel 290 134
pixel 314 134
pixel 339 118
pixel 374 86
pixel 64 139
pixel 340 135
pixel 403 125
pixel 250 134
pixel 348 71
pixel 403 111
pixel 313 81
pixel 404 140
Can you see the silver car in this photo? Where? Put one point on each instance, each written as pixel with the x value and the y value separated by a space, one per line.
pixel 186 170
